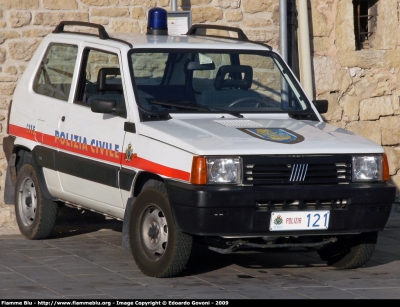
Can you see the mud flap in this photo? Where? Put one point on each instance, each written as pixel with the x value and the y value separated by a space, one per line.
pixel 11 178
pixel 126 246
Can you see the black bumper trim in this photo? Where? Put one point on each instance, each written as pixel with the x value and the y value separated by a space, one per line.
pixel 233 211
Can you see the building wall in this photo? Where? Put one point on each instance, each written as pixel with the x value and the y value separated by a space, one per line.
pixel 363 87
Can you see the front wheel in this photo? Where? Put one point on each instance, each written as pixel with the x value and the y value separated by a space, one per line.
pixel 350 252
pixel 158 247
pixel 35 214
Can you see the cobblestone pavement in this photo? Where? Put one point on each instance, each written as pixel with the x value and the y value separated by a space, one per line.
pixel 87 262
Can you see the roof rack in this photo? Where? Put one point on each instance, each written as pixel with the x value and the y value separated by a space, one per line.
pixel 193 29
pixel 241 36
pixel 102 32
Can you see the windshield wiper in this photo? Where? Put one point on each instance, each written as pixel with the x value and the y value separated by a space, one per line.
pixel 180 104
pixel 301 115
pixel 193 106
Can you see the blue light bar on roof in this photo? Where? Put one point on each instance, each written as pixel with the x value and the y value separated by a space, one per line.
pixel 157 22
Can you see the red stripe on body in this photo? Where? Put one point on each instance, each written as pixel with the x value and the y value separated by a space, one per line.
pixel 153 167
pixel 98 153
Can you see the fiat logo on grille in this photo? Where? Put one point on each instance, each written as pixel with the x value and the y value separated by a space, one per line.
pixel 299 172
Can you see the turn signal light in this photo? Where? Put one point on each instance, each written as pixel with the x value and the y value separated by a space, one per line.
pixel 386 174
pixel 199 171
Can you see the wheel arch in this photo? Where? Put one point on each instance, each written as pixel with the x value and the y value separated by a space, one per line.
pixel 15 159
pixel 138 184
pixel 23 155
pixel 140 181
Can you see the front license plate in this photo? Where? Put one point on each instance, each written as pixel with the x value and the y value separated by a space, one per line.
pixel 299 220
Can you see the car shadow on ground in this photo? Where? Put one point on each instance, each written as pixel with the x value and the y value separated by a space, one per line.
pixel 204 260
pixel 73 222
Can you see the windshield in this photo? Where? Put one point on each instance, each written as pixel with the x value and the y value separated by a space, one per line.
pixel 212 81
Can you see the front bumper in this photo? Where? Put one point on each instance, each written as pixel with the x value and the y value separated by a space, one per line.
pixel 246 210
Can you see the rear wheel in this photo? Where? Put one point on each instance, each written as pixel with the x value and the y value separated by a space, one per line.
pixel 350 252
pixel 35 214
pixel 158 247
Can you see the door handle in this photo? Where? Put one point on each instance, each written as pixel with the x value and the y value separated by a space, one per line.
pixel 63 118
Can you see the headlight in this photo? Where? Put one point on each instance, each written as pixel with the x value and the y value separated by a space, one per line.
pixel 223 170
pixel 368 168
pixel 216 170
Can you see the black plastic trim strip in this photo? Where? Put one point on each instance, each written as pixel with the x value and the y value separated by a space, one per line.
pixel 102 31
pixel 241 36
pixel 126 178
pixel 129 127
pixel 212 210
pixel 37 158
pixel 45 157
pixel 8 146
pixel 87 169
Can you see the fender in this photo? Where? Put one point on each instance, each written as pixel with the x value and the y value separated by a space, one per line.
pixel 126 246
pixel 40 176
pixel 11 179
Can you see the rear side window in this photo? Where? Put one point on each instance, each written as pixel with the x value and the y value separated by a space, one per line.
pixel 54 77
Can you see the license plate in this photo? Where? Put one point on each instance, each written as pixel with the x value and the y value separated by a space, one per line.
pixel 299 220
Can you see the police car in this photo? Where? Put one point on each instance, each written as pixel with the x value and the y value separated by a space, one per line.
pixel 188 138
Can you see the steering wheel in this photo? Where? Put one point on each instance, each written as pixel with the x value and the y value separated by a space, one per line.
pixel 258 101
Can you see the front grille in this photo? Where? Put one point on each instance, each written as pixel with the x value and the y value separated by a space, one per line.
pixel 301 170
pixel 303 204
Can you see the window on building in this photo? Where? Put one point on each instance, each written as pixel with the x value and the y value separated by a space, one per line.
pixel 365 16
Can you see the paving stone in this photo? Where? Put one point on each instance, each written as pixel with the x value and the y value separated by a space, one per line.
pixel 325 293
pixel 66 262
pixel 71 287
pixel 105 280
pixel 92 265
pixel 12 260
pixel 373 293
pixel 14 280
pixel 29 292
pixel 42 274
pixel 127 266
pixel 128 292
pixel 91 296
pixel 95 270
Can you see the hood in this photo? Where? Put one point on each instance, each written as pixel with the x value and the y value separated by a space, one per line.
pixel 256 136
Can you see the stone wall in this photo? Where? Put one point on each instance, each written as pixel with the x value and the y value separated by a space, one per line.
pixel 363 87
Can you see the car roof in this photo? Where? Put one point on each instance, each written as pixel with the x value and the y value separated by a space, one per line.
pixel 187 41
pixel 144 41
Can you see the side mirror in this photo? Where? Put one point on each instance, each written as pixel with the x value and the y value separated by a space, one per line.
pixel 321 105
pixel 105 106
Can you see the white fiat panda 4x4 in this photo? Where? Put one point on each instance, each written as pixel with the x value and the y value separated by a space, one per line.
pixel 193 137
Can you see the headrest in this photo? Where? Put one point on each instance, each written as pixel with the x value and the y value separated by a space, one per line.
pixel 102 84
pixel 235 77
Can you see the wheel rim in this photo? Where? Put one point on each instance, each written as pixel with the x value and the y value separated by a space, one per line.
pixel 153 232
pixel 27 202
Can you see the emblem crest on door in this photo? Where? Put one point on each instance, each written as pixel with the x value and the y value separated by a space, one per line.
pixel 128 153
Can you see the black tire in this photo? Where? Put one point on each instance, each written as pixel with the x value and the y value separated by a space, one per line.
pixel 350 252
pixel 158 247
pixel 36 215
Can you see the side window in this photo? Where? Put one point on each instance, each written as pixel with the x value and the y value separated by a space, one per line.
pixel 56 70
pixel 100 78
